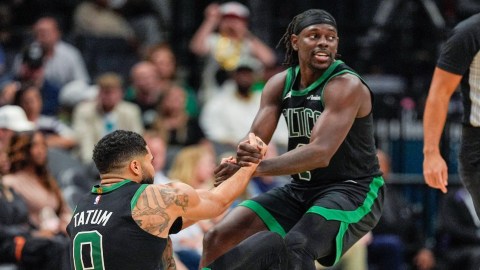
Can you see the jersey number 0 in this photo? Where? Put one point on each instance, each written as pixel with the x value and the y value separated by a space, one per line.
pixel 88 251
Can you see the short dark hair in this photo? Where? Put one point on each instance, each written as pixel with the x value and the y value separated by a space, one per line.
pixel 116 148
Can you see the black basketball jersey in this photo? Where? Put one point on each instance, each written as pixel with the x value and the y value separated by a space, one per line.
pixel 104 235
pixel 356 157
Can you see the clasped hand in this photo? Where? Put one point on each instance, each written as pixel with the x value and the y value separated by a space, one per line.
pixel 249 152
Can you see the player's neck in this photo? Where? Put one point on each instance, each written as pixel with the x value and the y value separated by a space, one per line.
pixel 110 182
pixel 110 179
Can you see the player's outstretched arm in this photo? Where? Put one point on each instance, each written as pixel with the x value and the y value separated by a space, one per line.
pixel 159 205
pixel 214 202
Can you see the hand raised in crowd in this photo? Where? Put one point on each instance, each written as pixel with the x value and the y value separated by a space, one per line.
pixel 212 13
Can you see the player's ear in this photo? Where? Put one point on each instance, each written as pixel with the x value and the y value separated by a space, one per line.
pixel 293 41
pixel 135 167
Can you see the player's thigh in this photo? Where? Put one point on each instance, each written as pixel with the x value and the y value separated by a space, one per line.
pixel 313 234
pixel 239 224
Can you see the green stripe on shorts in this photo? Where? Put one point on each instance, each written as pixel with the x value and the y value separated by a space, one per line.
pixel 271 223
pixel 349 217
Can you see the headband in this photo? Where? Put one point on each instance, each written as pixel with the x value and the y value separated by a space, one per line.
pixel 314 16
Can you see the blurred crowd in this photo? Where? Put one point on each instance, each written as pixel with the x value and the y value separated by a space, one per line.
pixel 188 75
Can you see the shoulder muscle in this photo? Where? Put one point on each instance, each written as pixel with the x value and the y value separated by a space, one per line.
pixel 159 205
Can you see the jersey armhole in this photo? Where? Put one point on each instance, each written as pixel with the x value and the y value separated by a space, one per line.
pixel 343 72
pixel 289 80
pixel 137 194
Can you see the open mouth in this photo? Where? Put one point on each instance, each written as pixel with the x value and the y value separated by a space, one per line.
pixel 322 56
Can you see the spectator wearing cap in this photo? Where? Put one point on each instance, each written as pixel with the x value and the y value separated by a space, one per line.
pixel 12 119
pixel 63 62
pixel 219 117
pixel 226 47
pixel 29 68
pixel 94 119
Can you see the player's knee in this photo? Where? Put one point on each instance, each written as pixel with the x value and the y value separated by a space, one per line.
pixel 278 242
pixel 296 241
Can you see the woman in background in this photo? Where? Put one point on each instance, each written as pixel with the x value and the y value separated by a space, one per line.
pixel 30 178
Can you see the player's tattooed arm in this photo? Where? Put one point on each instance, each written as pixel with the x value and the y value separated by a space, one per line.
pixel 172 196
pixel 150 212
pixel 168 260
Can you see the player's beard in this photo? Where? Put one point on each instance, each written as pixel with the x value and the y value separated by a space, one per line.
pixel 146 179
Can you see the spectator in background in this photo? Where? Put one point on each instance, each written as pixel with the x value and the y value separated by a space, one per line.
pixel 174 120
pixel 31 179
pixel 146 91
pixel 194 165
pixel 156 142
pixel 57 134
pixel 96 18
pixel 94 119
pixel 398 240
pixel 224 49
pixel 63 62
pixel 144 18
pixel 31 69
pixel 220 116
pixel 164 59
pixel 12 119
pixel 72 94
pixel 18 243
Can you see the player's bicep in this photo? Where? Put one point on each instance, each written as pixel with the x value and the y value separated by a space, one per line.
pixel 343 101
pixel 269 112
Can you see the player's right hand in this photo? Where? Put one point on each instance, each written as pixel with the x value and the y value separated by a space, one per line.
pixel 251 151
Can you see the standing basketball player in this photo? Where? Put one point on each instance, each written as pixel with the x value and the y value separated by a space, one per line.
pixel 336 193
